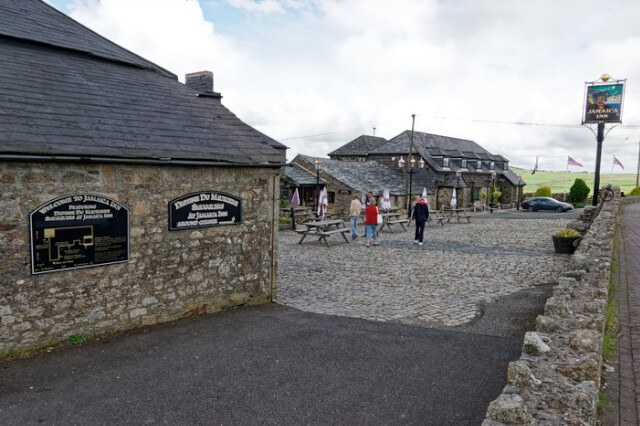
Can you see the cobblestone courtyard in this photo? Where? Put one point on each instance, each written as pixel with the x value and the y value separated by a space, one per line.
pixel 459 268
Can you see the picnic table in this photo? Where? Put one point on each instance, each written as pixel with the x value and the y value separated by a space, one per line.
pixel 323 229
pixel 389 219
pixel 305 216
pixel 458 214
pixel 333 215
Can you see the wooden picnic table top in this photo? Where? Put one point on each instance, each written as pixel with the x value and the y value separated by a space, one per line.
pixel 323 223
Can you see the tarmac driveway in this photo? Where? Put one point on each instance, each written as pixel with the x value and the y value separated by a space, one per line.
pixel 262 365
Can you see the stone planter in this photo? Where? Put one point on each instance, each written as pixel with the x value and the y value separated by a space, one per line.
pixel 285 227
pixel 564 245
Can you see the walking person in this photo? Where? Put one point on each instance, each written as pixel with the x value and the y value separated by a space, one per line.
pixel 369 199
pixel 354 213
pixel 371 222
pixel 420 215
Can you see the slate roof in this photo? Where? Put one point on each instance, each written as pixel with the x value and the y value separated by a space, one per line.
pixel 67 92
pixel 363 176
pixel 360 146
pixel 300 175
pixel 426 142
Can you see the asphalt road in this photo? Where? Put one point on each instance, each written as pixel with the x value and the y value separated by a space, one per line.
pixel 262 365
pixel 540 214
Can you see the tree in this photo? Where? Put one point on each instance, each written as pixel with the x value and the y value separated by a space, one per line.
pixel 579 191
pixel 543 191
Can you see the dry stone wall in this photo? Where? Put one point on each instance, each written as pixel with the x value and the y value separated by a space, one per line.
pixel 170 274
pixel 557 378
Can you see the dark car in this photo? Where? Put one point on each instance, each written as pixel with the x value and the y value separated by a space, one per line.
pixel 545 203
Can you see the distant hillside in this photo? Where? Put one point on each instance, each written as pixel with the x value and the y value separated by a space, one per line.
pixel 555 180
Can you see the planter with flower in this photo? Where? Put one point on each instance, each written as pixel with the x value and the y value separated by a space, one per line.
pixel 565 240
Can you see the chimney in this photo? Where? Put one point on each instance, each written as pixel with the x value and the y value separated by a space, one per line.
pixel 201 82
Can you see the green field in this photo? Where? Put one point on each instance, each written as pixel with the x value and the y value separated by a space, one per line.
pixel 555 180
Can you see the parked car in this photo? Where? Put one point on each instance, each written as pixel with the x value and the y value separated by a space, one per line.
pixel 545 203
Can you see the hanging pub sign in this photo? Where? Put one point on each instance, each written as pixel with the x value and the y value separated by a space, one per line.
pixel 204 209
pixel 603 103
pixel 78 231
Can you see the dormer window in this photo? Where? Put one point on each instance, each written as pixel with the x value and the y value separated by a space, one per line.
pixel 492 165
pixel 464 164
pixel 445 162
pixel 505 166
pixel 479 165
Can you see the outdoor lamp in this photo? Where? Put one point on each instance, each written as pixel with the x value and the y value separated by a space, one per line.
pixel 520 188
pixel 421 163
pixel 401 162
pixel 412 162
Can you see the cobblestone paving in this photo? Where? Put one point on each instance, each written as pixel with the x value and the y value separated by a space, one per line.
pixel 459 267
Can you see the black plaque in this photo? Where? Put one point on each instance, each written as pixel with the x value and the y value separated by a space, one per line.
pixel 204 209
pixel 78 231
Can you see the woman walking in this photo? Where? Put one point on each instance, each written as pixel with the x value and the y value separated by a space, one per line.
pixel 354 213
pixel 371 222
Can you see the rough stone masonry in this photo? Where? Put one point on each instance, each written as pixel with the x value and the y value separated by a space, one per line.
pixel 170 274
pixel 557 378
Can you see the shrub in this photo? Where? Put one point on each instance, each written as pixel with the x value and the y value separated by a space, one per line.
pixel 567 233
pixel 543 191
pixel 483 195
pixel 496 196
pixel 284 219
pixel 635 191
pixel 579 190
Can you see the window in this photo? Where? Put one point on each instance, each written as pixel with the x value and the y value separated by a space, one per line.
pixel 492 165
pixel 445 162
pixel 505 166
pixel 479 165
pixel 331 196
pixel 464 164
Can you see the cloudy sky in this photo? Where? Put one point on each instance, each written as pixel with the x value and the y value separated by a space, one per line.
pixel 315 74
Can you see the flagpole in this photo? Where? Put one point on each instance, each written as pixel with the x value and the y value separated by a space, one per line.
pixel 613 161
pixel 535 169
pixel 566 175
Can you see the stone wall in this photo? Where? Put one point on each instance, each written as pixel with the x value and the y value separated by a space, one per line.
pixel 557 378
pixel 170 274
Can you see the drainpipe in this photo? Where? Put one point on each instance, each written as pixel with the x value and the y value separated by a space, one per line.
pixel 273 237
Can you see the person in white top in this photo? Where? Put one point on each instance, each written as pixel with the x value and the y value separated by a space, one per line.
pixel 354 213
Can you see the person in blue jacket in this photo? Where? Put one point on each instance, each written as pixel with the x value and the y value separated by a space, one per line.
pixel 420 215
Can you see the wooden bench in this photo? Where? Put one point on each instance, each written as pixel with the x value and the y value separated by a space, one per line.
pixel 436 218
pixel 324 234
pixel 401 222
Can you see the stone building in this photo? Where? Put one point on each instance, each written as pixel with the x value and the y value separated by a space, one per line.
pixel 448 163
pixel 344 179
pixel 307 183
pixel 128 198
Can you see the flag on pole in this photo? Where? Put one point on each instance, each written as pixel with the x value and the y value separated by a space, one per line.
pixel 535 168
pixel 616 161
pixel 572 162
pixel 295 200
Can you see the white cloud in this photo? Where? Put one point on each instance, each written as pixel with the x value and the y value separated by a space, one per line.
pixel 340 67
pixel 262 6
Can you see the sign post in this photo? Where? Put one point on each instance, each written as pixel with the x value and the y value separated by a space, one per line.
pixel 602 104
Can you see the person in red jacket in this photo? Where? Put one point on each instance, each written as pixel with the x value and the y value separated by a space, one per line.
pixel 371 222
pixel 420 215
